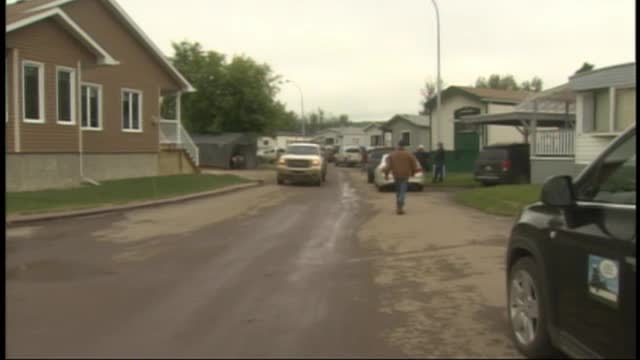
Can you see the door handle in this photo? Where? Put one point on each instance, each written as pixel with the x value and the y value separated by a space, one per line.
pixel 631 261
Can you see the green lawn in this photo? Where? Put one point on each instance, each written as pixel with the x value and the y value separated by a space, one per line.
pixel 116 192
pixel 452 180
pixel 506 200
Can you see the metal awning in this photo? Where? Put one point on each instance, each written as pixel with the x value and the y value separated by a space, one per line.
pixel 520 118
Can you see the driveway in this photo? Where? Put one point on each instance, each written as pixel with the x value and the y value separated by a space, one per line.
pixel 440 269
pixel 277 271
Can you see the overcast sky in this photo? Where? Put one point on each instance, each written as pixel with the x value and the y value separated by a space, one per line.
pixel 369 58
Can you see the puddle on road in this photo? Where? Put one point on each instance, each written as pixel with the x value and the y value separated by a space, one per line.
pixel 55 271
pixel 22 232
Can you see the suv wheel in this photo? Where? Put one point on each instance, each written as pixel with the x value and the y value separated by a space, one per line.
pixel 527 312
pixel 369 178
pixel 280 181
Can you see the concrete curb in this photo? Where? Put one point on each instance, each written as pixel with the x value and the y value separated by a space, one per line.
pixel 24 219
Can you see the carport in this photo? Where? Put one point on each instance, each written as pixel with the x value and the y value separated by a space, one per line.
pixel 546 121
pixel 217 150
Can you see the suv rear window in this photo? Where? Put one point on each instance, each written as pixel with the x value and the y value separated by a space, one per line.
pixel 492 154
pixel 377 154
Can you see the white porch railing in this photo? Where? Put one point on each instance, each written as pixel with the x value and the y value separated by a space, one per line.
pixel 172 132
pixel 555 142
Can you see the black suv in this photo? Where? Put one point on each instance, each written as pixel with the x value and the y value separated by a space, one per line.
pixel 503 164
pixel 571 262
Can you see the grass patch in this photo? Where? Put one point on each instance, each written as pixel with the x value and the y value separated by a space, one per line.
pixel 505 200
pixel 116 192
pixel 452 180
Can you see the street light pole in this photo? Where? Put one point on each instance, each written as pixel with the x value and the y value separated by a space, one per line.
pixel 304 132
pixel 438 85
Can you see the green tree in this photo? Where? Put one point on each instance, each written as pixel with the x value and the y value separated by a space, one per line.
pixel 584 68
pixel 429 91
pixel 508 82
pixel 237 95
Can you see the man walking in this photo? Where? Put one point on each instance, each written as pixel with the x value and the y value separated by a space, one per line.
pixel 439 164
pixel 403 165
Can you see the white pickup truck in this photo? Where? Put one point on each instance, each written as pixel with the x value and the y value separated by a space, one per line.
pixel 350 156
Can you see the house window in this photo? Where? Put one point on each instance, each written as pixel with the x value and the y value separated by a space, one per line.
pixel 33 91
pixel 625 109
pixel 376 140
pixel 91 103
pixel 328 141
pixel 265 142
pixel 66 104
pixel 132 110
pixel 601 110
pixel 406 138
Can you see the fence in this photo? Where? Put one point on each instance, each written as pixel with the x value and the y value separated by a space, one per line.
pixel 555 142
pixel 172 132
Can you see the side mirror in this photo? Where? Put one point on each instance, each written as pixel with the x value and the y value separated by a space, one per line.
pixel 558 191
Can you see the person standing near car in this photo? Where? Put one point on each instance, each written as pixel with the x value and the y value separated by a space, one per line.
pixel 403 165
pixel 438 160
pixel 364 158
pixel 421 156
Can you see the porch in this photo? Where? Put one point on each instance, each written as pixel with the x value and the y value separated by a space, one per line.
pixel 547 123
pixel 172 133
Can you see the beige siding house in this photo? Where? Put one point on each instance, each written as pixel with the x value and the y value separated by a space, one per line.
pixel 486 101
pixel 84 85
pixel 605 107
pixel 414 130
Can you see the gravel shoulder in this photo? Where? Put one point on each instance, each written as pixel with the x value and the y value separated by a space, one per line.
pixel 440 272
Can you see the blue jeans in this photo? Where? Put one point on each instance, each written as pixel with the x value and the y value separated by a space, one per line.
pixel 401 191
pixel 437 174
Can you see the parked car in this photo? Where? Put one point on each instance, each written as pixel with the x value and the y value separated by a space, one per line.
pixel 571 262
pixel 267 155
pixel 373 160
pixel 351 156
pixel 302 162
pixel 503 164
pixel 416 182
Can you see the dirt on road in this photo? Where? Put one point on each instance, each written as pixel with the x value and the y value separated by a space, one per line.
pixel 439 268
pixel 274 271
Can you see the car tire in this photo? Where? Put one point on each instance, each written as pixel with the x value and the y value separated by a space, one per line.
pixel 369 179
pixel 526 308
pixel 280 181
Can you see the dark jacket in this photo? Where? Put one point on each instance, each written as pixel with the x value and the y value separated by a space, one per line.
pixel 439 157
pixel 402 164
pixel 423 159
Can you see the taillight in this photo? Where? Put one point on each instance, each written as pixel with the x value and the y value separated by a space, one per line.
pixel 506 165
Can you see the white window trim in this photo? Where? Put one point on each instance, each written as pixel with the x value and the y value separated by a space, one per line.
pixel 612 111
pixel 140 107
pixel 402 137
pixel 41 119
pixel 100 127
pixel 73 96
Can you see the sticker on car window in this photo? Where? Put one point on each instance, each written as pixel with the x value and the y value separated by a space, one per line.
pixel 604 279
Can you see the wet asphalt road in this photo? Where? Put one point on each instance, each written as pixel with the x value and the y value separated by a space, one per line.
pixel 274 282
